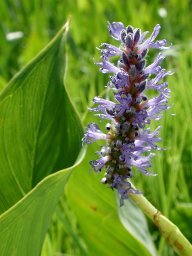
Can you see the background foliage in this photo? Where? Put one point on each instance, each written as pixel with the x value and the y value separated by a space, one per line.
pixel 87 220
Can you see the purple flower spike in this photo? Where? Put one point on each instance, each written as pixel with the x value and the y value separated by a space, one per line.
pixel 129 143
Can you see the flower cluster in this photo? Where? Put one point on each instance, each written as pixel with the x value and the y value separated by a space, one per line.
pixel 128 141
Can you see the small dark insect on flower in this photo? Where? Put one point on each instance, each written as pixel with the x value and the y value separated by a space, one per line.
pixel 128 142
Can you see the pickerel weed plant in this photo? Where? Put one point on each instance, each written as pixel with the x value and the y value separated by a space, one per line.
pixel 129 141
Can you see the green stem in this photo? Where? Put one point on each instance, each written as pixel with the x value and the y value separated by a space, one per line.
pixel 169 230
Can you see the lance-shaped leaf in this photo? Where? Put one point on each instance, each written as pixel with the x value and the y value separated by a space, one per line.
pixel 135 222
pixel 40 134
pixel 23 226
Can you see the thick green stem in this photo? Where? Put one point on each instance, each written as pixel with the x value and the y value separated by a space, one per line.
pixel 169 230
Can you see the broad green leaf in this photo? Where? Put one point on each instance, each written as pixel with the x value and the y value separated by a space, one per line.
pixel 40 132
pixel 23 226
pixel 135 222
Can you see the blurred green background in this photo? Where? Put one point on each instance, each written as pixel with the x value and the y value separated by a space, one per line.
pixel 27 26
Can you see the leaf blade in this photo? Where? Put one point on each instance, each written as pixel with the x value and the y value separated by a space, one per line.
pixel 34 114
pixel 135 222
pixel 38 124
pixel 23 226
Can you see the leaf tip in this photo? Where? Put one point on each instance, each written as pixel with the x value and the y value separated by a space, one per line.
pixel 66 25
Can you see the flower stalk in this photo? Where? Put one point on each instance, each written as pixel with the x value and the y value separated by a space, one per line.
pixel 168 230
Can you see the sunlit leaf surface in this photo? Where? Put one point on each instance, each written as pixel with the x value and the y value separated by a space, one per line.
pixel 40 133
pixel 135 222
